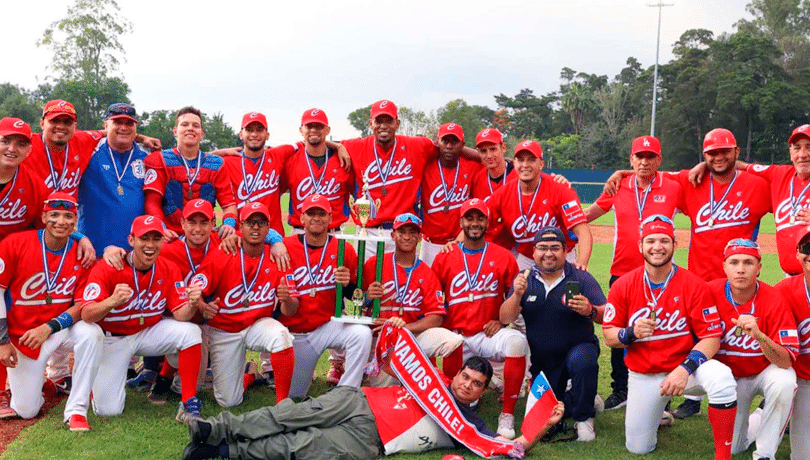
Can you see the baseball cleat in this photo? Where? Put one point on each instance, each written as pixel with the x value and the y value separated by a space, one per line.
pixel 142 381
pixel 506 425
pixel 189 410
pixel 64 385
pixel 78 422
pixel 5 405
pixel 159 392
pixel 689 408
pixel 616 400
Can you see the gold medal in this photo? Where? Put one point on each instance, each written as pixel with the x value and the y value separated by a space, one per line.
pixel 312 292
pixel 48 299
pixel 446 208
pixel 470 297
pixel 652 315
pixel 140 320
pixel 401 310
pixel 190 194
pixel 384 191
pixel 245 302
pixel 738 331
pixel 711 223
pixel 120 190
pixel 792 220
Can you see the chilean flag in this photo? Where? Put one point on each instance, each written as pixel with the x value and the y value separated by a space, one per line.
pixel 539 406
pixel 710 315
pixel 789 337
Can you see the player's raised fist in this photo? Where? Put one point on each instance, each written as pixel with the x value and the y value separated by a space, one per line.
pixel 121 294
pixel 644 328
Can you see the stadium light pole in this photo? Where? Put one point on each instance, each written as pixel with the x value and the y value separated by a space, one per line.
pixel 660 6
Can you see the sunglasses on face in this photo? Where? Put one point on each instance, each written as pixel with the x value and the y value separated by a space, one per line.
pixel 62 204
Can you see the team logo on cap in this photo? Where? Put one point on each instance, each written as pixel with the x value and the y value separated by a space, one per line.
pixel 315 112
pixel 383 104
pixel 316 197
pixel 19 124
pixel 485 133
pixel 474 201
pixel 451 126
pixel 646 142
pixel 148 220
pixel 62 104
pixel 526 144
pixel 151 176
pixel 254 114
pixel 255 205
pixel 199 203
pixel 801 129
pixel 92 291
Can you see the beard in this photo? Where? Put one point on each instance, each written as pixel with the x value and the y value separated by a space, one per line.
pixel 658 264
pixel 255 148
pixel 468 233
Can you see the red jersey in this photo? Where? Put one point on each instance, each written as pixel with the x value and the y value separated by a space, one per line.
pixel 66 167
pixel 552 204
pixel 415 294
pixel 21 202
pixel 221 276
pixel 315 311
pixel 685 310
pixel 742 353
pixel 484 186
pixel 491 270
pixel 167 175
pixel 22 274
pixel 258 180
pixel 662 198
pixel 188 259
pixel 784 183
pixel 303 178
pixel 393 175
pixel 442 200
pixel 794 293
pixel 739 205
pixel 161 288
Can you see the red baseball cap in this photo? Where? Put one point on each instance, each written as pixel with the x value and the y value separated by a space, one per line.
pixel 58 107
pixel 488 135
pixel 407 219
pixel 316 201
pixel 742 246
pixel 800 131
pixel 145 224
pixel 657 224
pixel 252 117
pixel 646 144
pixel 718 138
pixel 253 208
pixel 10 126
pixel 60 200
pixel 198 206
pixel 476 204
pixel 314 116
pixel 383 107
pixel 530 146
pixel 452 129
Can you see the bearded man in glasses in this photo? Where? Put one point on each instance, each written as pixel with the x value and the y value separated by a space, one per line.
pixel 560 329
pixel 667 320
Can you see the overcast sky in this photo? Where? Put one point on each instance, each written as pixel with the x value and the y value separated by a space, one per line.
pixel 282 57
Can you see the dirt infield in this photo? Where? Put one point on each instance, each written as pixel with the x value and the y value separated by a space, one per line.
pixel 604 234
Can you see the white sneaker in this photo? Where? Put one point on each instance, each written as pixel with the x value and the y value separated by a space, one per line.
pixel 598 404
pixel 506 425
pixel 666 419
pixel 585 430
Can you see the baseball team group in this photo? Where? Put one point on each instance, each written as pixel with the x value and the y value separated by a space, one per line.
pixel 116 272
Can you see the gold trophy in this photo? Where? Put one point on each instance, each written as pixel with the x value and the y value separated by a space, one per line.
pixel 365 209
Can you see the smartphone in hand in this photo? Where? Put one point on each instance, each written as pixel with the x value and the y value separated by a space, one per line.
pixel 572 288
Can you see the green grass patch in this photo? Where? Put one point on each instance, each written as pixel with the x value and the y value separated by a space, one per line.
pixel 147 432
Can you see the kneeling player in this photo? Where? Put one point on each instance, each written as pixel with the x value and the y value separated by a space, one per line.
pixel 248 285
pixel 129 306
pixel 41 270
pixel 759 345
pixel 659 327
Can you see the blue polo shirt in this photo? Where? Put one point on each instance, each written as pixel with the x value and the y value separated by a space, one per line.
pixel 105 216
pixel 551 327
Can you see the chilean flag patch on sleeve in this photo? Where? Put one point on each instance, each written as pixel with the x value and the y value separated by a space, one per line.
pixel 789 337
pixel 710 314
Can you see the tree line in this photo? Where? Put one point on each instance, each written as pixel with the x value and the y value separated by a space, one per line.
pixel 754 81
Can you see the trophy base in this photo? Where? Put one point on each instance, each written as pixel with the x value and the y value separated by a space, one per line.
pixel 351 319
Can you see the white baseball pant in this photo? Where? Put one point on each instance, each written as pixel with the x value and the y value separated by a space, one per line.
pixel 645 405
pixel 800 423
pixel 435 342
pixel 27 378
pixel 166 337
pixel 227 352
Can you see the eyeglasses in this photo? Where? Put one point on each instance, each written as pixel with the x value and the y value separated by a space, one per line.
pixel 255 223
pixel 408 218
pixel 544 248
pixel 64 204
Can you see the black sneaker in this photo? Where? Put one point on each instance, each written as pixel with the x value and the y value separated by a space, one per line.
pixel 689 408
pixel 616 400
pixel 64 385
pixel 160 391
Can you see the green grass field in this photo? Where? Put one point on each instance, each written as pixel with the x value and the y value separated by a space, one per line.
pixel 147 432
